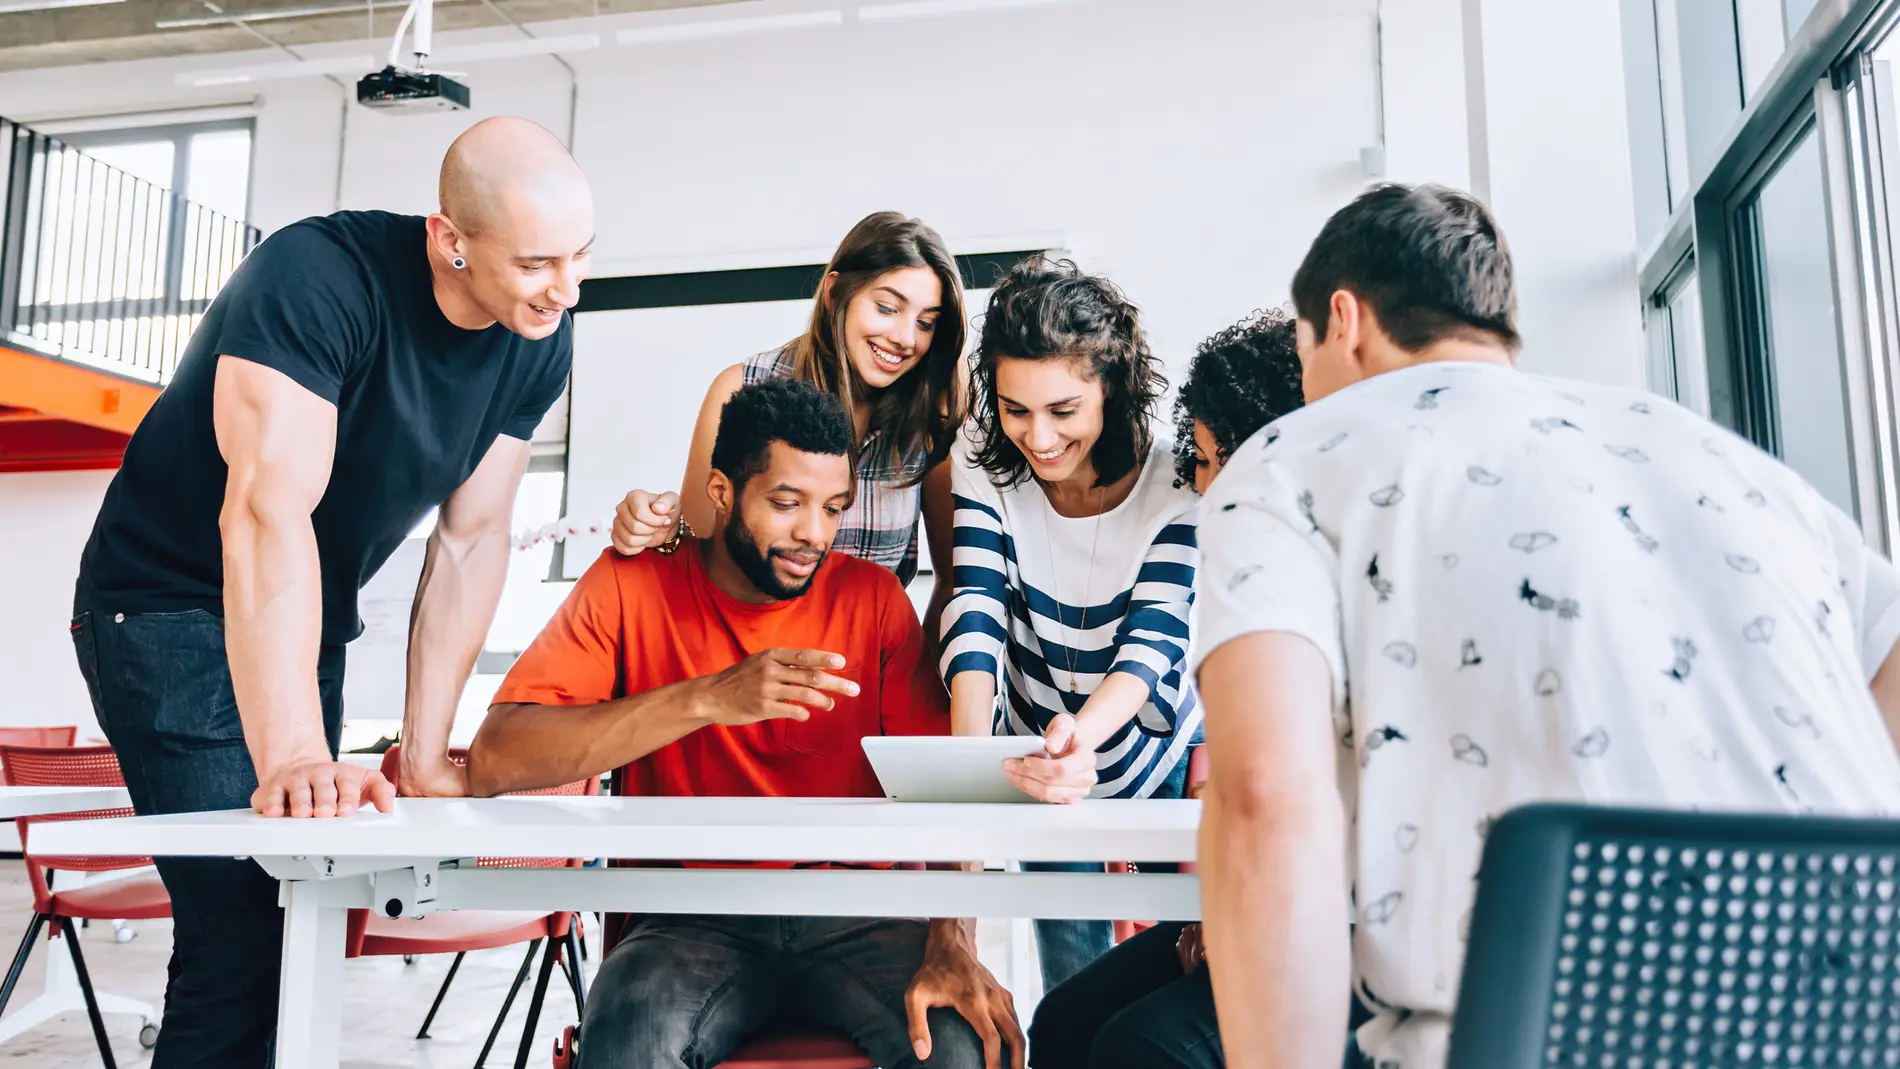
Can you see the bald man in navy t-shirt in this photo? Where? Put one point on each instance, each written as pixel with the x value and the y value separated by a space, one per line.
pixel 358 370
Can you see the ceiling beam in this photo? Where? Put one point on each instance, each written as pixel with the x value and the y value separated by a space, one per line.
pixel 129 30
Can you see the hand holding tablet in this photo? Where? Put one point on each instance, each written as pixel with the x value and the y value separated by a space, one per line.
pixel 1063 772
pixel 914 768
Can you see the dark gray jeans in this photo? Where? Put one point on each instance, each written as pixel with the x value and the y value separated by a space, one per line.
pixel 161 688
pixel 680 991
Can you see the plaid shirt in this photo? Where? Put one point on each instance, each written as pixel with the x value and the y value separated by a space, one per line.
pixel 881 524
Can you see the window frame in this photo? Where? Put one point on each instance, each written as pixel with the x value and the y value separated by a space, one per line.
pixel 180 135
pixel 1802 93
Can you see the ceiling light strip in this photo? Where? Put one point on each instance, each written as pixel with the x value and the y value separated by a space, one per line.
pixel 709 28
pixel 262 72
pixel 238 18
pixel 11 6
pixel 527 46
pixel 919 9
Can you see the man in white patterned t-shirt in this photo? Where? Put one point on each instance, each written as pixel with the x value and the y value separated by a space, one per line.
pixel 1447 588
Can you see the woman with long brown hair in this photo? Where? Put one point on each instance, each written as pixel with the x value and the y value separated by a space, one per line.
pixel 886 337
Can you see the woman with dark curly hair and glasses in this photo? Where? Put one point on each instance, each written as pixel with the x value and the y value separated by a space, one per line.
pixel 1073 559
pixel 1149 1003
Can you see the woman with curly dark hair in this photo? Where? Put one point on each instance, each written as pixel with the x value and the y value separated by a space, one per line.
pixel 1149 1002
pixel 1073 557
pixel 1242 379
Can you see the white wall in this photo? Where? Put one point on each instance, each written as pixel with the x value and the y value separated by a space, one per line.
pixel 1189 150
pixel 1557 145
pixel 44 520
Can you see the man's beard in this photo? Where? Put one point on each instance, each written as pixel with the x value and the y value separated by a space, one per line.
pixel 756 564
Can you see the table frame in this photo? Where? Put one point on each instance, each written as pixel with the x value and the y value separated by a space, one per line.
pixel 359 865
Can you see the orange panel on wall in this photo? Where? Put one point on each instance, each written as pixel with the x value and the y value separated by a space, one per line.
pixel 73 392
pixel 58 416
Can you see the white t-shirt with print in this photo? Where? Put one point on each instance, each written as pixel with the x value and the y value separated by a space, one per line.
pixel 1534 589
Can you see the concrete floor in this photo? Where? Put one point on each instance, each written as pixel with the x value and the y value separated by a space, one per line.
pixel 385 1000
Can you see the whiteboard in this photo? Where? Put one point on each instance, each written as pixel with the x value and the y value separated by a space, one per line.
pixel 640 375
pixel 376 669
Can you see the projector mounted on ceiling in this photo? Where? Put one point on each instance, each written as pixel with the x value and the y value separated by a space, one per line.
pixel 402 88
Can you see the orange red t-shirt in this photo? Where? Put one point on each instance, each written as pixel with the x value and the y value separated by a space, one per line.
pixel 632 624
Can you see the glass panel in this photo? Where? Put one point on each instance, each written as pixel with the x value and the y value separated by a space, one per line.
pixel 1683 314
pixel 1702 83
pixel 150 160
pixel 1764 36
pixel 1804 350
pixel 1649 155
pixel 1798 12
pixel 1685 323
pixel 219 172
pixel 97 234
pixel 1674 108
pixel 528 600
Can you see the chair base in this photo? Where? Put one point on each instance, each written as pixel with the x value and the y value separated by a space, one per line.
pixel 55 1003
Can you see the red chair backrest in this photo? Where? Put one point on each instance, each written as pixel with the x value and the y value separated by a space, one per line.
pixel 42 737
pixel 65 766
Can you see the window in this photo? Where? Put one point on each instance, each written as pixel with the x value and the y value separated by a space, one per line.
pixel 126 235
pixel 1678 360
pixel 1795 402
pixel 1797 12
pixel 1698 52
pixel 209 162
pixel 1780 230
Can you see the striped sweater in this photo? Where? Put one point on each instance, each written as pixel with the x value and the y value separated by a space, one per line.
pixel 1029 609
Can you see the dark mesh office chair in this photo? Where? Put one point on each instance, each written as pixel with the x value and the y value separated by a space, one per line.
pixel 1640 939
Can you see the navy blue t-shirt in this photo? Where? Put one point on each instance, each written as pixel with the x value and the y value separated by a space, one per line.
pixel 344 305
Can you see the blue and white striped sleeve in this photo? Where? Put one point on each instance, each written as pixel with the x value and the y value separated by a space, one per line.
pixel 1152 641
pixel 976 621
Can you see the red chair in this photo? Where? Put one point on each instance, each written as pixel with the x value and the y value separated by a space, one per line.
pixel 132 898
pixel 1196 777
pixel 460 931
pixel 38 738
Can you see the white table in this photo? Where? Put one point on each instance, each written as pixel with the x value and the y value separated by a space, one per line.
pixel 411 862
pixel 55 801
pixel 61 993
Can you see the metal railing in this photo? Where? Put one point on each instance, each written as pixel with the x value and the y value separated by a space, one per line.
pixel 100 267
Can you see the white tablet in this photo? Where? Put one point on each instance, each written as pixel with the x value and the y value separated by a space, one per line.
pixel 939 768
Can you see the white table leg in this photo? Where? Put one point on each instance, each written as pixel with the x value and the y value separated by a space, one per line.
pixel 1025 962
pixel 310 994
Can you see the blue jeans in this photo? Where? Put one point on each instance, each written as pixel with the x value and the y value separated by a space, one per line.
pixel 1135 1009
pixel 161 688
pixel 684 992
pixel 1066 947
pixel 1132 1008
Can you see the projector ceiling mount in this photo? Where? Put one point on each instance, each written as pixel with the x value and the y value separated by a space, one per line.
pixel 400 86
